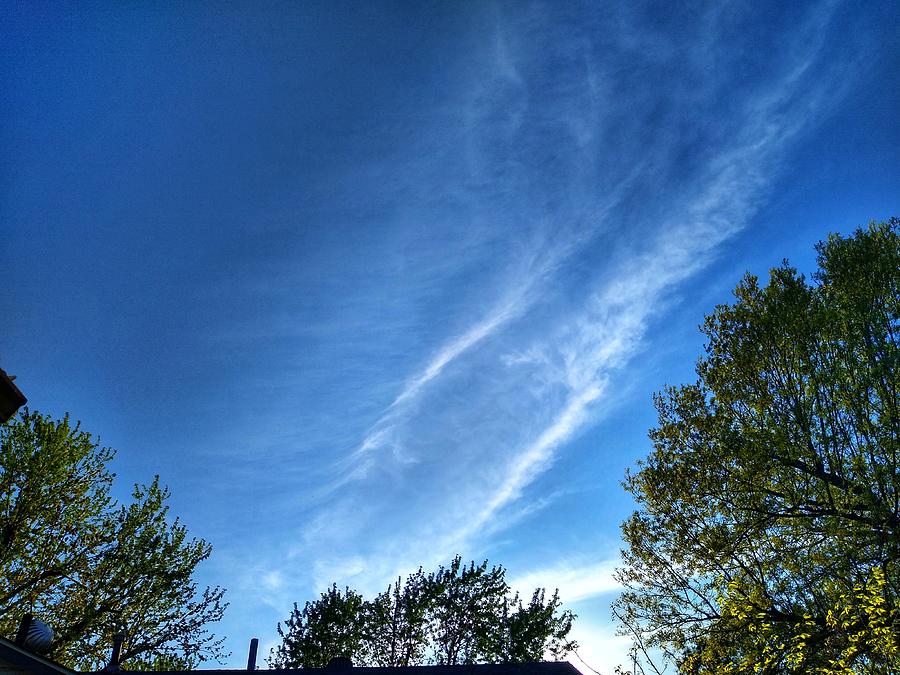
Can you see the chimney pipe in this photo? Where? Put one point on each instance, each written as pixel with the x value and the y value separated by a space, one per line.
pixel 23 629
pixel 118 639
pixel 251 658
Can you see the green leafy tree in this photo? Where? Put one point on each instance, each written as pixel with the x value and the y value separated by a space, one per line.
pixel 331 627
pixel 467 612
pixel 767 537
pixel 90 567
pixel 459 614
pixel 537 629
pixel 398 622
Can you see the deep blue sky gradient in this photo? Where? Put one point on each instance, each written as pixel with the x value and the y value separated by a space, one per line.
pixel 369 284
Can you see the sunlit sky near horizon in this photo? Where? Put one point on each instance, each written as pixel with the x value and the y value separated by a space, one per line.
pixel 369 284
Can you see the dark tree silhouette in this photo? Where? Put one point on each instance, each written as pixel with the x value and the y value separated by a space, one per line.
pixel 455 615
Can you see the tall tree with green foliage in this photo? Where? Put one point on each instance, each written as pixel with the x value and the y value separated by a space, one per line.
pixel 768 532
pixel 398 621
pixel 90 567
pixel 330 627
pixel 468 604
pixel 534 631
pixel 458 614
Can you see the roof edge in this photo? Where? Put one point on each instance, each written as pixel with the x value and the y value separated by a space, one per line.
pixel 31 662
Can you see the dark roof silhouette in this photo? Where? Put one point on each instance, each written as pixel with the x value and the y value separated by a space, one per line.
pixel 18 657
pixel 535 668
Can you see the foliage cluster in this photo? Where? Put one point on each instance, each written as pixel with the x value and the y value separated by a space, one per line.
pixel 767 538
pixel 90 567
pixel 459 614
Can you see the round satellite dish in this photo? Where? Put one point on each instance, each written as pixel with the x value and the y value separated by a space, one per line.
pixel 39 637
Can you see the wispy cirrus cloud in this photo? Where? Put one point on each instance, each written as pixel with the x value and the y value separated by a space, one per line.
pixel 513 304
pixel 560 370
pixel 595 201
pixel 575 580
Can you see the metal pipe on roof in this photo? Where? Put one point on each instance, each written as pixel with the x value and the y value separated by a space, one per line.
pixel 251 658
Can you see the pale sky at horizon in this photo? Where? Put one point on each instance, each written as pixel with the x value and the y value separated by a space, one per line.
pixel 370 284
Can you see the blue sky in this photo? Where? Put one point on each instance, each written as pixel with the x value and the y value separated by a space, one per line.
pixel 371 284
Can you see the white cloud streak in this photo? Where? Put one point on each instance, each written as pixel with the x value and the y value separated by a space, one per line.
pixel 508 309
pixel 533 460
pixel 575 582
pixel 609 329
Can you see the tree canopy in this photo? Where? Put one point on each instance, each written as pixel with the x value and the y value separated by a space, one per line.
pixel 459 614
pixel 90 567
pixel 766 538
